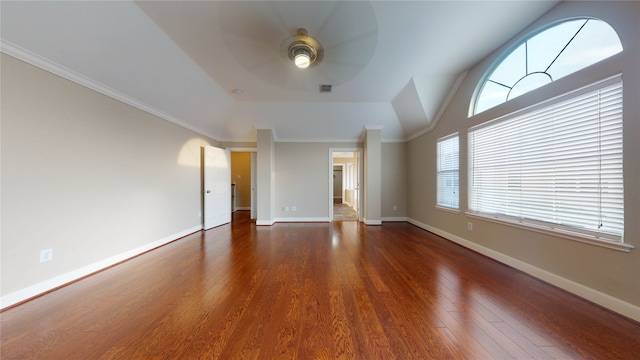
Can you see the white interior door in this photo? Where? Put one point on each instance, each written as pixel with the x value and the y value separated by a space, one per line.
pixel 217 187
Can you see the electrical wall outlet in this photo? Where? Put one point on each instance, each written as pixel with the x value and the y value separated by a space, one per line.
pixel 293 208
pixel 469 226
pixel 395 208
pixel 46 255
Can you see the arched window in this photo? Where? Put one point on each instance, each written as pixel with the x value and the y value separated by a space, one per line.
pixel 547 56
pixel 554 166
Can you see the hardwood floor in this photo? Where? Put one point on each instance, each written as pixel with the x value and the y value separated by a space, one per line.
pixel 313 291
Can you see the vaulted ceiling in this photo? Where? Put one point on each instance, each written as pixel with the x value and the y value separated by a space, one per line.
pixel 219 68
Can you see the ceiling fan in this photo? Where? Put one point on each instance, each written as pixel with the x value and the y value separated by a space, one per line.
pixel 299 45
pixel 304 50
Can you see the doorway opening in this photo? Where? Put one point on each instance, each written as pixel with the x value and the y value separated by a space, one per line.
pixel 344 185
pixel 243 181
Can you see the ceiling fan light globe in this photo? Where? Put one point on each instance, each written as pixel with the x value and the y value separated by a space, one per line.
pixel 302 60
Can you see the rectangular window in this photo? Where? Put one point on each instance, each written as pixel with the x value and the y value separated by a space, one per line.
pixel 556 167
pixel 448 172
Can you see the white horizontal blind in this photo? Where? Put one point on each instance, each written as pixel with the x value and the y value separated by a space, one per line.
pixel 448 169
pixel 557 167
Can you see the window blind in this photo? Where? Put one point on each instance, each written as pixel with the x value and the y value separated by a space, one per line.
pixel 448 168
pixel 558 166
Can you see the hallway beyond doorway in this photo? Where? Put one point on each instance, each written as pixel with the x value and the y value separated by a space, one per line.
pixel 344 184
pixel 344 212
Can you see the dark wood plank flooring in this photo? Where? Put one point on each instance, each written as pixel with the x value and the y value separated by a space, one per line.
pixel 337 290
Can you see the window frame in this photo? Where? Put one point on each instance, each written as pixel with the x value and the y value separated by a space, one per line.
pixel 439 172
pixel 532 225
pixel 473 105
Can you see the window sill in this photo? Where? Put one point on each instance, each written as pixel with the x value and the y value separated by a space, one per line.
pixel 448 209
pixel 548 231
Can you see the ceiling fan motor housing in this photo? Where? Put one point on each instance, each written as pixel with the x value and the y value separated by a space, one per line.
pixel 304 45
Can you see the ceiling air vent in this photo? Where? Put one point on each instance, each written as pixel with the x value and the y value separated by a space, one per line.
pixel 325 88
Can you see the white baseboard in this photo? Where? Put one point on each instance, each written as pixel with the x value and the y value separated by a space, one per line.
pixel 48 285
pixel 265 222
pixel 303 219
pixel 372 222
pixel 397 218
pixel 600 298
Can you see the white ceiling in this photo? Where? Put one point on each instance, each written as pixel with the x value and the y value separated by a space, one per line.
pixel 391 63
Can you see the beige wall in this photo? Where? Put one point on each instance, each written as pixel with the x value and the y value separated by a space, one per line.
pixel 372 180
pixel 241 176
pixel 394 181
pixel 265 187
pixel 87 176
pixel 609 277
pixel 302 180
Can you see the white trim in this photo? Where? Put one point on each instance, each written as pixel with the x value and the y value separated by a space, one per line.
pixel 372 222
pixel 238 140
pixel 303 219
pixel 439 171
pixel 64 279
pixel 242 149
pixel 448 209
pixel 48 65
pixel 394 219
pixel 489 119
pixel 554 232
pixel 600 298
pixel 265 222
pixel 355 140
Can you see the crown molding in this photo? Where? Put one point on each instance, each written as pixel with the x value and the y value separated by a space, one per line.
pixel 34 59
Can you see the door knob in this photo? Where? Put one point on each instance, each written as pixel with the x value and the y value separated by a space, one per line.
pixel 208 191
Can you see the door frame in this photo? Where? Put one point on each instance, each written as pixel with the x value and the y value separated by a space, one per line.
pixel 342 190
pixel 359 169
pixel 253 190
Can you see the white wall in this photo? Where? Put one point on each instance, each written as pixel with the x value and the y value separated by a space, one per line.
pixel 606 276
pixel 90 177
